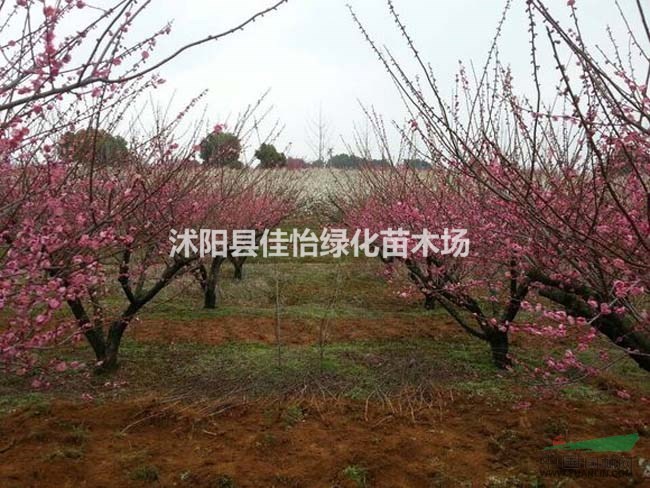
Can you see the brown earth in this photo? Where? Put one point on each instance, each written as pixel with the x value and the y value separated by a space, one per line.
pixel 235 328
pixel 447 441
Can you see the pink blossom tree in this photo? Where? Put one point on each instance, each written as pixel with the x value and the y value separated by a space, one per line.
pixel 575 178
pixel 69 242
pixel 69 229
pixel 483 292
pixel 252 201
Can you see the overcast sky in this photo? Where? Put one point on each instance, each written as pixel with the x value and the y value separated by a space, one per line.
pixel 311 55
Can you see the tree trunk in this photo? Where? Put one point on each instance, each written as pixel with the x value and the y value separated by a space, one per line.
pixel 106 348
pixel 238 263
pixel 499 345
pixel 93 331
pixel 109 362
pixel 210 297
pixel 429 302
pixel 210 290
pixel 238 273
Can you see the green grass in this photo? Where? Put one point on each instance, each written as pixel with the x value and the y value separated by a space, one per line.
pixel 146 473
pixel 306 290
pixel 65 453
pixel 357 474
pixel 292 415
pixel 34 403
pixel 586 393
pixel 352 369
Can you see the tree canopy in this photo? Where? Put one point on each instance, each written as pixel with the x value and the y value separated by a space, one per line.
pixel 94 146
pixel 269 157
pixel 221 149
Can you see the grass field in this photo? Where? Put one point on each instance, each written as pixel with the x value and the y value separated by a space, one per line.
pixel 364 389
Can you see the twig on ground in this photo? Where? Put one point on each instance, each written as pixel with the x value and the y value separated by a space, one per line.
pixel 8 447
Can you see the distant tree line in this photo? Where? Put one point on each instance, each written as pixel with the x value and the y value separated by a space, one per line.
pixel 351 161
pixel 217 149
pixel 96 147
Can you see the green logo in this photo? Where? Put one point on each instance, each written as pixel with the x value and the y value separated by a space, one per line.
pixel 617 443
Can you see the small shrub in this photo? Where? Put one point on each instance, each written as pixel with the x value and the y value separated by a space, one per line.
pixel 224 481
pixel 292 415
pixel 267 440
pixel 78 435
pixel 65 453
pixel 357 474
pixel 146 473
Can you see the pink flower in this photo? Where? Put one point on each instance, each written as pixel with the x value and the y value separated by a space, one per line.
pixel 522 405
pixel 624 394
pixel 49 12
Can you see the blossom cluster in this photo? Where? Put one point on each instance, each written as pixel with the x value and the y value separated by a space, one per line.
pixel 389 243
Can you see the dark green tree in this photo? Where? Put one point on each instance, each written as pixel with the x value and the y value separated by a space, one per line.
pixel 417 163
pixel 92 146
pixel 221 149
pixel 344 161
pixel 351 161
pixel 270 157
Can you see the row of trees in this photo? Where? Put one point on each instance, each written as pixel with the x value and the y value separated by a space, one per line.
pixel 217 149
pixel 223 149
pixel 556 202
pixel 71 244
pixel 351 161
pixel 72 225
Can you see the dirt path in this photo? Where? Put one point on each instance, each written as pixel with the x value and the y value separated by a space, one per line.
pixel 449 441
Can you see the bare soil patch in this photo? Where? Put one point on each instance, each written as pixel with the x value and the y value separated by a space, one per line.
pixel 234 328
pixel 447 441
